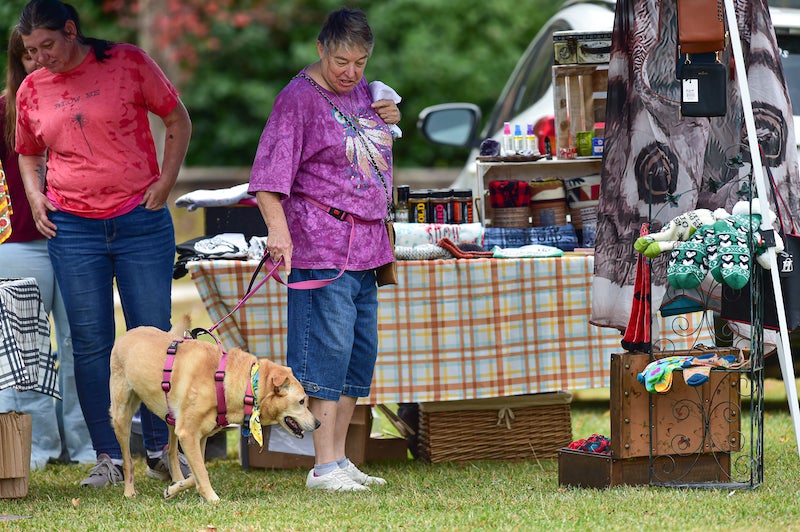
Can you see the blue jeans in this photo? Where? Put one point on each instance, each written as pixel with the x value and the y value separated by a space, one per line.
pixel 332 335
pixel 58 426
pixel 137 250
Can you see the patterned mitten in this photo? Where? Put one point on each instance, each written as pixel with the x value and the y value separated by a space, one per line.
pixel 732 266
pixel 688 263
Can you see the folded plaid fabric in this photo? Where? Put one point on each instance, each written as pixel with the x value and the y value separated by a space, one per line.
pixel 509 193
pixel 26 359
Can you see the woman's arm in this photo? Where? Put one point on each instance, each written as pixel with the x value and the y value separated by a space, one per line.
pixel 33 169
pixel 176 142
pixel 279 241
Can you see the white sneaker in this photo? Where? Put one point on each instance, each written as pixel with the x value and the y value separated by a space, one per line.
pixel 359 477
pixel 336 480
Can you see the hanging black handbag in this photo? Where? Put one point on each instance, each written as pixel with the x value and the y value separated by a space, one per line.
pixel 704 88
pixel 736 303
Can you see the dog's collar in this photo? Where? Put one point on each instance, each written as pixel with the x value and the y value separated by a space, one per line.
pixel 252 415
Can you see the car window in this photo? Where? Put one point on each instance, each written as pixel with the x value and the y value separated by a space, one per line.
pixel 531 82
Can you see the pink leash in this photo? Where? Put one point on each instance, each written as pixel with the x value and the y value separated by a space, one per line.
pixel 300 285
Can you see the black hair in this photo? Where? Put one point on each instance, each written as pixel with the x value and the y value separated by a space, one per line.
pixel 53 15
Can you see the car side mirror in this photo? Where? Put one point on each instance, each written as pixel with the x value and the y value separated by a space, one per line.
pixel 450 124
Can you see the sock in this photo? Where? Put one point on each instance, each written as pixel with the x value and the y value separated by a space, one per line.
pixel 696 375
pixel 343 463
pixel 154 455
pixel 117 461
pixel 324 469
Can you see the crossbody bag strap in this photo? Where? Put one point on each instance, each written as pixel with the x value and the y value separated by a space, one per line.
pixel 368 144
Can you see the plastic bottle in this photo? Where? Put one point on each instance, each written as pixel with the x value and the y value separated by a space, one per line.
pixel 508 141
pixel 531 142
pixel 401 211
pixel 519 139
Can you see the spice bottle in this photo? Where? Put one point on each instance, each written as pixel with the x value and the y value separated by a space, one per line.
pixel 401 213
pixel 418 206
pixel 440 200
pixel 462 206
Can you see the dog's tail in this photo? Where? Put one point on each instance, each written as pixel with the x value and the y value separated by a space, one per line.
pixel 182 324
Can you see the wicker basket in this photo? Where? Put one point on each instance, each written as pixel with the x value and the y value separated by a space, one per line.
pixel 519 427
pixel 579 209
pixel 511 217
pixel 549 212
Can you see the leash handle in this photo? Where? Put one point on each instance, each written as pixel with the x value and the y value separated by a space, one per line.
pixel 273 273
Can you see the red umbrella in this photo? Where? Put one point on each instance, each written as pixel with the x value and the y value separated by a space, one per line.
pixel 637 334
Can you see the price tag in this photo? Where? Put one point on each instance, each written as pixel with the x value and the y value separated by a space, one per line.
pixel 691 93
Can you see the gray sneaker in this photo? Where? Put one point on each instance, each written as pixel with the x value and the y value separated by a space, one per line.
pixel 158 468
pixel 104 473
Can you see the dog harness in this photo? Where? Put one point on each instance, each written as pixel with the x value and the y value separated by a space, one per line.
pixel 219 378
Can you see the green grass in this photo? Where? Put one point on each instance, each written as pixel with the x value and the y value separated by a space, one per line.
pixel 480 495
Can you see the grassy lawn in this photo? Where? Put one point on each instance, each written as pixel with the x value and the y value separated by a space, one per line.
pixel 463 496
pixel 479 495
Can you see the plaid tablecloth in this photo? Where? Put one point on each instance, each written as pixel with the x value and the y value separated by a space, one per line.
pixel 26 359
pixel 452 329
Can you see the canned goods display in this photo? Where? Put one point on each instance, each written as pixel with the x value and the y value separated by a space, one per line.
pixel 440 206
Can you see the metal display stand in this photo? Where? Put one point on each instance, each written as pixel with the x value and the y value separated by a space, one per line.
pixel 784 349
pixel 721 445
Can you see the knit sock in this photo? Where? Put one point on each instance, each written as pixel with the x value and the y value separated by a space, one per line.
pixel 696 375
pixel 324 469
pixel 343 463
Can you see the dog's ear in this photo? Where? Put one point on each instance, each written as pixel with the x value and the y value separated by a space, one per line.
pixel 275 375
pixel 279 378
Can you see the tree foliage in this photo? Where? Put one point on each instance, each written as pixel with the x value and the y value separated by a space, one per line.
pixel 234 56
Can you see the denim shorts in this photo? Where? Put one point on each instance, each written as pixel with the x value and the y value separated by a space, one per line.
pixel 333 333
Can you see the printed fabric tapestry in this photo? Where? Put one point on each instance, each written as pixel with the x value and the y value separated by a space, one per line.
pixel 658 164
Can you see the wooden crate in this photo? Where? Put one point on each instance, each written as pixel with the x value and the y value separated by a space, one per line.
pixel 579 100
pixel 527 426
pixel 687 419
pixel 593 470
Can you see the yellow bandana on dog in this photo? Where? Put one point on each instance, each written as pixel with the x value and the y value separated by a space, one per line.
pixel 255 417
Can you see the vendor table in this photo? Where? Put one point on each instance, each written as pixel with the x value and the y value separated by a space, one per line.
pixel 26 359
pixel 451 329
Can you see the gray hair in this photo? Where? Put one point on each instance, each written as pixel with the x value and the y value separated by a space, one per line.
pixel 348 28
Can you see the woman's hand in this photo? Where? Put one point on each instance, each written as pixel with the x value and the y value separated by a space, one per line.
pixel 279 241
pixel 40 207
pixel 156 196
pixel 33 170
pixel 387 110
